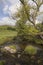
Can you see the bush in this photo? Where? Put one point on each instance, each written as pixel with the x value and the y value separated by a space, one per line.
pixel 30 50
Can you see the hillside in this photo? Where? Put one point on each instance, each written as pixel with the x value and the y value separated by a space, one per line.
pixel 6 33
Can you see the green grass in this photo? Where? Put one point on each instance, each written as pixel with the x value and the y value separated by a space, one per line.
pixel 30 50
pixel 12 46
pixel 6 35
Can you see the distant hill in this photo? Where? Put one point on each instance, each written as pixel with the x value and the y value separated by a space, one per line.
pixel 7 27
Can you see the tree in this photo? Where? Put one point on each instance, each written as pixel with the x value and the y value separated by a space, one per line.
pixel 27 30
pixel 31 16
pixel 26 20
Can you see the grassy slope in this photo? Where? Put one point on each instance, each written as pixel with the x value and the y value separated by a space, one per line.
pixel 5 34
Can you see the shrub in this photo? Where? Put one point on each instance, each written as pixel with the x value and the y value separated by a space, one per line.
pixel 30 50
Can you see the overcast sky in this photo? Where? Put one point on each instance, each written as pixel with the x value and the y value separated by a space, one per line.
pixel 8 7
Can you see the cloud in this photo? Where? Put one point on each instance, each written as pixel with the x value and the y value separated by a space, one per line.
pixel 12 8
pixel 9 9
pixel 6 9
pixel 12 1
pixel 3 2
pixel 41 8
pixel 7 21
pixel 8 1
pixel 31 3
pixel 40 17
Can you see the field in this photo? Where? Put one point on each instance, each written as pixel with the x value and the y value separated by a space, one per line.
pixel 6 34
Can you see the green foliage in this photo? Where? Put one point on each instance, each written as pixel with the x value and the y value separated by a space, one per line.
pixel 33 30
pixel 30 50
pixel 22 28
pixel 26 32
pixel 40 25
pixel 2 62
pixel 38 41
pixel 12 47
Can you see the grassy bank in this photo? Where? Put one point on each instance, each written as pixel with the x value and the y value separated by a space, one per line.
pixel 6 34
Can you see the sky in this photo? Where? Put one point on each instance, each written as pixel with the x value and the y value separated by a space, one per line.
pixel 9 7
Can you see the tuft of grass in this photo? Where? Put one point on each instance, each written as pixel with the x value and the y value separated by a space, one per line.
pixel 30 50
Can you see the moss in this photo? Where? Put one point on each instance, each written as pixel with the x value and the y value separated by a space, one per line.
pixel 12 47
pixel 2 62
pixel 30 50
